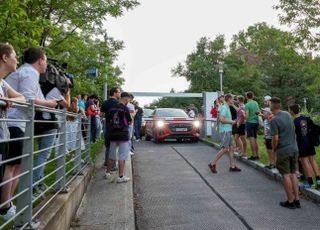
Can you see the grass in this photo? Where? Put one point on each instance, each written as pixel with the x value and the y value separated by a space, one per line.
pixel 263 151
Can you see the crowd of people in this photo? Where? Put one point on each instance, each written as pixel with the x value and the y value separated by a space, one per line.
pixel 290 139
pixel 21 85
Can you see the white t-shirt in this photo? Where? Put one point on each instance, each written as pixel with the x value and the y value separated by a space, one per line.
pixel 25 81
pixel 4 131
pixel 54 94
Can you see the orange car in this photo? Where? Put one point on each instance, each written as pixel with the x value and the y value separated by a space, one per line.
pixel 169 123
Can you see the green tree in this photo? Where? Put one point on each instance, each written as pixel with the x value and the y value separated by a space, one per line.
pixel 303 16
pixel 281 66
pixel 75 28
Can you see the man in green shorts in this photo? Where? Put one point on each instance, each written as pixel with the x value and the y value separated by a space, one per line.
pixel 285 145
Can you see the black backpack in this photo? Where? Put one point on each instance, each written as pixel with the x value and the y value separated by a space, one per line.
pixel 117 119
pixel 313 132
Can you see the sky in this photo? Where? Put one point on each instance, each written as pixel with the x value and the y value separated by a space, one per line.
pixel 158 34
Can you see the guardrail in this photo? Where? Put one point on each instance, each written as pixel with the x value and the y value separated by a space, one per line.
pixel 70 158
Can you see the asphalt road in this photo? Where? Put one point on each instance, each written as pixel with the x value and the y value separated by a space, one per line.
pixel 174 189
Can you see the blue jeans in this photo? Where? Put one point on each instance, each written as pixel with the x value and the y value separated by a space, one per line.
pixel 44 142
pixel 137 127
pixel 130 136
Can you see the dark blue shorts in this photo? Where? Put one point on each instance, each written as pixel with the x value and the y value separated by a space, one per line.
pixel 252 129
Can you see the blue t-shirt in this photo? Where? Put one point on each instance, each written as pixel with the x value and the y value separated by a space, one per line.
pixel 226 113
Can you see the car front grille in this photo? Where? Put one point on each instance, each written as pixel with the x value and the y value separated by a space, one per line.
pixel 180 127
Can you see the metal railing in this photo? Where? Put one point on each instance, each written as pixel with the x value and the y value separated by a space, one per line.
pixel 72 155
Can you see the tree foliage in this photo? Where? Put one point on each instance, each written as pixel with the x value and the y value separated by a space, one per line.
pixel 261 58
pixel 70 31
pixel 303 16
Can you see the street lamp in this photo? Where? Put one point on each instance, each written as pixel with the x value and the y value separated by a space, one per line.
pixel 220 68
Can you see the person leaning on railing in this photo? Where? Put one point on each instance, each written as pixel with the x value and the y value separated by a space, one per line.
pixel 25 81
pixel 8 63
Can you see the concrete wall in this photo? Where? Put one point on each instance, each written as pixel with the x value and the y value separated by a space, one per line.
pixel 59 214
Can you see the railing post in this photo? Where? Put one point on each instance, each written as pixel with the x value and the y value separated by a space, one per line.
pixel 77 160
pixel 25 200
pixel 62 149
pixel 88 158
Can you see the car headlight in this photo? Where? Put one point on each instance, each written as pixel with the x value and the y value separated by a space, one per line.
pixel 196 124
pixel 160 124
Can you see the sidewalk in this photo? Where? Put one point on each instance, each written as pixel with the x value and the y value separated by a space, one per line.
pixel 273 174
pixel 106 205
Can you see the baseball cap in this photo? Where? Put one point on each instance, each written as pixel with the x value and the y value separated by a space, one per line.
pixel 267 98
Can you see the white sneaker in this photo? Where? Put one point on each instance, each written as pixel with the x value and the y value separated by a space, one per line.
pixel 109 177
pixel 10 213
pixel 131 153
pixel 123 179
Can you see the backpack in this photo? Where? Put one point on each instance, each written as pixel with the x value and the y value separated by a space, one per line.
pixel 313 132
pixel 117 119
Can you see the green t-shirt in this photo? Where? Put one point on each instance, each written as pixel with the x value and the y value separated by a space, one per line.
pixel 252 107
pixel 225 112
pixel 282 125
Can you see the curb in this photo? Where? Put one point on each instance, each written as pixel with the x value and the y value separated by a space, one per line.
pixel 312 194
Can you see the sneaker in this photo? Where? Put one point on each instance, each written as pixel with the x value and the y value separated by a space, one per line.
pixel 131 153
pixel 123 179
pixel 212 168
pixel 42 187
pixel 253 158
pixel 137 140
pixel 234 169
pixel 10 213
pixel 304 186
pixel 286 204
pixel 109 177
pixel 270 166
pixel 297 203
pixel 267 167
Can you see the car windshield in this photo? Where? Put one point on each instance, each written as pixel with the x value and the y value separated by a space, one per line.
pixel 170 113
pixel 147 112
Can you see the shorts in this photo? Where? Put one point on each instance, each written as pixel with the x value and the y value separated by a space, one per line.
pixel 4 147
pixel 119 150
pixel 241 130
pixel 268 144
pixel 306 152
pixel 252 129
pixel 226 139
pixel 287 164
pixel 15 147
pixel 234 129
